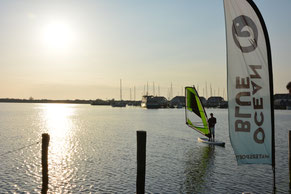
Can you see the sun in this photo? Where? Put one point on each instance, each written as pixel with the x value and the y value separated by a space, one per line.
pixel 58 35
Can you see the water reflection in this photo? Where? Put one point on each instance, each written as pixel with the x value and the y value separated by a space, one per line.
pixel 198 167
pixel 58 122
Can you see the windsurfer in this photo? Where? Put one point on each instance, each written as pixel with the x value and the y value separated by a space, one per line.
pixel 289 96
pixel 289 87
pixel 212 122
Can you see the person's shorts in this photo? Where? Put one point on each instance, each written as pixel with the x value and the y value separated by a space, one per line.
pixel 212 130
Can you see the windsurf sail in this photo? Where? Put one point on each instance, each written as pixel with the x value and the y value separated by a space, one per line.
pixel 250 84
pixel 196 117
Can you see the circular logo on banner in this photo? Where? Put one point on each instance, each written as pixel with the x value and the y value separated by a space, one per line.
pixel 245 33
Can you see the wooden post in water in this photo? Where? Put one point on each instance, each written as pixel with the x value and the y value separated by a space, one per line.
pixel 44 162
pixel 141 161
pixel 289 158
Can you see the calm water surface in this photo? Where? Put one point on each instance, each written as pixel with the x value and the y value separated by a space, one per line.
pixel 93 149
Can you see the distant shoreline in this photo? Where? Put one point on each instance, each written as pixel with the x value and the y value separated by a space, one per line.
pixel 98 102
pixel 13 100
pixel 279 101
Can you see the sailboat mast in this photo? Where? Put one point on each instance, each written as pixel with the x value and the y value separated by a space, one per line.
pixel 134 92
pixel 206 95
pixel 171 91
pixel 182 91
pixel 154 91
pixel 120 89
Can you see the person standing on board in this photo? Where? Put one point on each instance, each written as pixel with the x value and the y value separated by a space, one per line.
pixel 289 96
pixel 211 123
pixel 289 87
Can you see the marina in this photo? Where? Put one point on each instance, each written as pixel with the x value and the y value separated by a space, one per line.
pixel 77 114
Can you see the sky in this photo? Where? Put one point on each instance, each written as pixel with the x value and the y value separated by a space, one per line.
pixel 81 49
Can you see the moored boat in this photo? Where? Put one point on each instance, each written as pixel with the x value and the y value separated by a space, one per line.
pixel 153 102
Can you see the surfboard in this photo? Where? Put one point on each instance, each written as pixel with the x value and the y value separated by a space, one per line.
pixel 205 140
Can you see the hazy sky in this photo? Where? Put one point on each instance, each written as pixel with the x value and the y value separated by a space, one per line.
pixel 81 49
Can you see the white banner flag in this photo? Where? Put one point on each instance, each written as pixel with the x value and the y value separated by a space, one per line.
pixel 250 83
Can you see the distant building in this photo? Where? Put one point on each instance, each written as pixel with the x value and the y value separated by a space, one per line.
pixel 177 102
pixel 282 101
pixel 203 100
pixel 214 101
pixel 281 96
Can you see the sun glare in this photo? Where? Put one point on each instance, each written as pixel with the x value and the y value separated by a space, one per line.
pixel 59 123
pixel 58 35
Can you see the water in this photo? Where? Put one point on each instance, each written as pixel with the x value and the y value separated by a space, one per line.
pixel 93 149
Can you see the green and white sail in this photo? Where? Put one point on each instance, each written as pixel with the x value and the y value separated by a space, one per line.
pixel 196 117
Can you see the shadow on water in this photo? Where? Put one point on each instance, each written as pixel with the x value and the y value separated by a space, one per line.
pixel 198 167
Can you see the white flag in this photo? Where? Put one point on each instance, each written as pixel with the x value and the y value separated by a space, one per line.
pixel 250 83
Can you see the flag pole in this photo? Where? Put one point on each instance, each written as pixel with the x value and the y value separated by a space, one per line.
pixel 268 45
